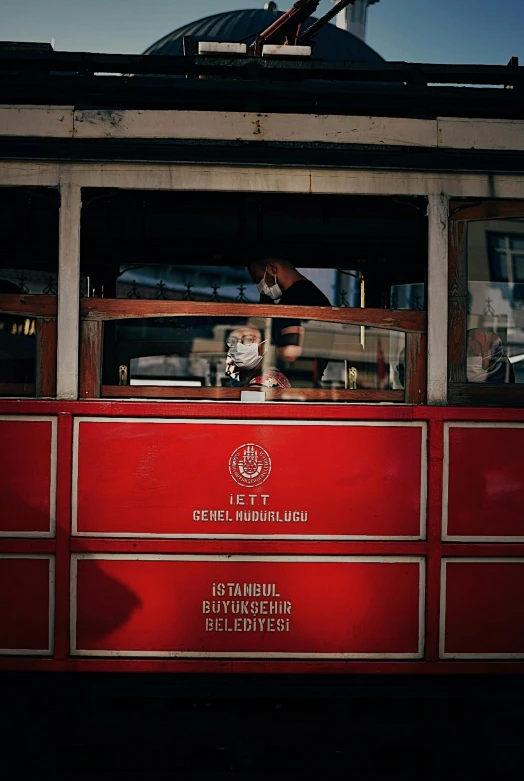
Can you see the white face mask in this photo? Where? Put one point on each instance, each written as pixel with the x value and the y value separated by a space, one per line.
pixel 271 291
pixel 475 370
pixel 245 356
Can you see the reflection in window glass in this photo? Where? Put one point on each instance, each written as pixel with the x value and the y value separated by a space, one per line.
pixel 229 284
pixel 495 344
pixel 186 283
pixel 408 297
pixel 225 352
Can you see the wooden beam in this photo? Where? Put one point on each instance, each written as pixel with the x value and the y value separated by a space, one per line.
pixel 484 394
pixel 17 389
pixel 102 309
pixel 233 394
pixel 458 292
pixel 486 210
pixel 416 353
pixel 45 358
pixel 28 305
pixel 90 359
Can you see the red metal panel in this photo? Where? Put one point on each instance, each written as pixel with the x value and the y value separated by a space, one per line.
pixel 206 478
pixel 249 606
pixel 483 614
pixel 267 411
pixel 25 604
pixel 485 481
pixel 491 626
pixel 27 476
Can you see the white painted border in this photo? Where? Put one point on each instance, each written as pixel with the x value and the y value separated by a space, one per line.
pixel 437 294
pixel 259 127
pixel 442 618
pixel 49 651
pixel 261 178
pixel 68 321
pixel 443 132
pixel 52 482
pixel 374 423
pixel 248 654
pixel 445 485
pixel 37 121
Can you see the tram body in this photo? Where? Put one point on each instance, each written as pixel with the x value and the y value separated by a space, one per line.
pixel 329 527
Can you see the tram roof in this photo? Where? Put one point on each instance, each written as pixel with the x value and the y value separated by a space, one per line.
pixel 37 75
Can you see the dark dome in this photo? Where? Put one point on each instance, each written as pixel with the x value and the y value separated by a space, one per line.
pixel 331 43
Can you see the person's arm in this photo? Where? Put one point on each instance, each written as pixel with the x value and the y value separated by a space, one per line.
pixel 291 342
pixel 288 338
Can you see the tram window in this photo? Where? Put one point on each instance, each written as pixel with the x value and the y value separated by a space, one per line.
pixel 195 245
pixel 28 267
pixel 181 250
pixel 495 339
pixel 487 274
pixel 178 353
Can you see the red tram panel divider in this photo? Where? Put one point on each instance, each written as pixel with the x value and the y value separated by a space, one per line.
pixel 484 482
pixel 265 479
pixel 26 604
pixel 248 606
pixel 482 609
pixel 28 484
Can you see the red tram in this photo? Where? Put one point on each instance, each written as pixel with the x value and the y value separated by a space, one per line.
pixel 159 512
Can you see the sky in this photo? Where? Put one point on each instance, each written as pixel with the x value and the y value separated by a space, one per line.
pixel 452 31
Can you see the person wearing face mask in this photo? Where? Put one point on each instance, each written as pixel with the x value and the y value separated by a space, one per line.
pixel 279 280
pixel 486 358
pixel 245 358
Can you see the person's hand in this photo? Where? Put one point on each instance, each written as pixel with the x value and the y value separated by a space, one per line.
pixel 289 352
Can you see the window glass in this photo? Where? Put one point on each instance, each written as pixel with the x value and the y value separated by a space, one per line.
pixel 225 352
pixel 495 339
pixel 360 251
pixel 348 251
pixel 232 284
pixel 28 266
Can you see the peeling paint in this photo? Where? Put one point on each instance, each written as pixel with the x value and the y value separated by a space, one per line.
pixel 105 120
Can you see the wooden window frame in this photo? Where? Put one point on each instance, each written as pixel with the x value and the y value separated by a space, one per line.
pixel 94 312
pixel 460 391
pixel 44 310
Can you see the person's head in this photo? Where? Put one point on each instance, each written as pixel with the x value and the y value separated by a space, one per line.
pixel 245 334
pixel 486 358
pixel 243 353
pixel 272 275
pixel 484 345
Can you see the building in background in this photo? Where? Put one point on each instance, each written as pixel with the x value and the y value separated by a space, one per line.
pixel 354 17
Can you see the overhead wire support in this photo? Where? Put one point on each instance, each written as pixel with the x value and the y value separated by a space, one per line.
pixel 316 26
pixel 290 23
